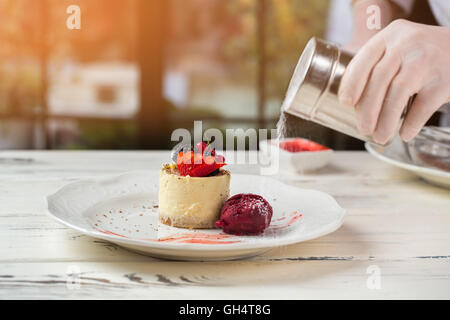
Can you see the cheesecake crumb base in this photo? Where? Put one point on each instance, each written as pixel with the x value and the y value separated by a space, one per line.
pixel 186 222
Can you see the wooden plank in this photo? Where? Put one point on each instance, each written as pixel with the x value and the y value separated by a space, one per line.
pixel 421 278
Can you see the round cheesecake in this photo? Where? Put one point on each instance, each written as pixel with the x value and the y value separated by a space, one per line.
pixel 191 202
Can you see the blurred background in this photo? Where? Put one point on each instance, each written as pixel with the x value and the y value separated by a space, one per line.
pixel 138 69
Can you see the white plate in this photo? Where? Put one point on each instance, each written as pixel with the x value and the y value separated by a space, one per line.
pixel 124 210
pixel 395 154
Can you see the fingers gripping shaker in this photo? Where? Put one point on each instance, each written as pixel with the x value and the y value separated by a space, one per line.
pixel 313 90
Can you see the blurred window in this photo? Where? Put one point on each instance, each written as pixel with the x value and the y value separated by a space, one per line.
pixel 226 62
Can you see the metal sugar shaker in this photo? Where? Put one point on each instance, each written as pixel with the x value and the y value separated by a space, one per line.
pixel 312 91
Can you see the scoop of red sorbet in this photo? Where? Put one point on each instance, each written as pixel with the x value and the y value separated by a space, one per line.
pixel 245 214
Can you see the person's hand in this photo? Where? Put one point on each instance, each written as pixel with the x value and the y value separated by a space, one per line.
pixel 403 59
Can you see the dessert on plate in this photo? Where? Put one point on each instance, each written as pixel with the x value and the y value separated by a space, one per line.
pixel 193 191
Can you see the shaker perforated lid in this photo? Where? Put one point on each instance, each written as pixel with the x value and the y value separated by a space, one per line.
pixel 311 77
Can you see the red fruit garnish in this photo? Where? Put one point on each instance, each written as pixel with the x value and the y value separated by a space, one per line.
pixel 197 165
pixel 300 144
pixel 185 162
pixel 219 159
pixel 203 147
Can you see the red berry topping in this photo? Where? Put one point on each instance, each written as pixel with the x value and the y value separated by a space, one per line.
pixel 198 165
pixel 204 148
pixel 200 147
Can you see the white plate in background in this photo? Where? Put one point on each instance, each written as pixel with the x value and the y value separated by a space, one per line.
pixel 395 154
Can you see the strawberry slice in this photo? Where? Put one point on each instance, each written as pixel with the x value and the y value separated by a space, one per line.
pixel 219 159
pixel 205 169
pixel 205 149
pixel 201 146
pixel 185 162
pixel 197 165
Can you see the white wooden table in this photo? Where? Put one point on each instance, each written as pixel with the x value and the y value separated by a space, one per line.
pixel 397 226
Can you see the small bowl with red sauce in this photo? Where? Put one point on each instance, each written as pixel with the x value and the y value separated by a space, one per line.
pixel 296 154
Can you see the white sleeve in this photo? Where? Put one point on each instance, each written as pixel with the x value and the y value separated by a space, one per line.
pixel 340 22
pixel 405 5
pixel 441 11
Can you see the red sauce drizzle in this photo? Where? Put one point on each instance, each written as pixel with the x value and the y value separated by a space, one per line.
pixel 112 233
pixel 185 238
pixel 295 216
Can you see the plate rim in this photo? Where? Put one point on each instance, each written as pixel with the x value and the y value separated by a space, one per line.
pixel 329 228
pixel 407 166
